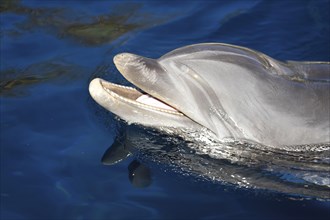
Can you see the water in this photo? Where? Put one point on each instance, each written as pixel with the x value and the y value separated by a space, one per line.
pixel 53 135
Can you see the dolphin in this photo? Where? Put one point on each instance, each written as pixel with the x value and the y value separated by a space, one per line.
pixel 234 92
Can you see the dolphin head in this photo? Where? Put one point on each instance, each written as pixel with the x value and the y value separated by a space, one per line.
pixel 174 94
pixel 154 103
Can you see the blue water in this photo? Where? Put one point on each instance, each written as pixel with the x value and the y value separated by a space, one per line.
pixel 53 135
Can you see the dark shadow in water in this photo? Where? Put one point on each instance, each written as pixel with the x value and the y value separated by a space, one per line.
pixel 138 174
pixel 14 82
pixel 298 174
pixel 87 29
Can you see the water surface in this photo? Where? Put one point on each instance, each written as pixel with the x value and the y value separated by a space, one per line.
pixel 53 135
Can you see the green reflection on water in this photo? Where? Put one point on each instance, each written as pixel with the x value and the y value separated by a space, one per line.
pixel 100 32
pixel 14 80
pixel 8 5
pixel 78 25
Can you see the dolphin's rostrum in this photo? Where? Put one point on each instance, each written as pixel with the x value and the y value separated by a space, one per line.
pixel 235 92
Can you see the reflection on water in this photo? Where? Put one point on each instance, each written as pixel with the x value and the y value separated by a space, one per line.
pixel 139 174
pixel 12 79
pixel 303 173
pixel 102 31
pixel 86 29
pixel 9 5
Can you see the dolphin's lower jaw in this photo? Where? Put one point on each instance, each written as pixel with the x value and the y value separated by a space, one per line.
pixel 134 106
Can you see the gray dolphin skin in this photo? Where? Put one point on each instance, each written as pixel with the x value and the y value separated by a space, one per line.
pixel 235 92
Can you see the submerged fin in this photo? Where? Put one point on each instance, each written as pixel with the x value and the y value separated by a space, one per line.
pixel 116 152
pixel 139 174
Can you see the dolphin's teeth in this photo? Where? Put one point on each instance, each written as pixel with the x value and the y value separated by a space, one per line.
pixel 120 92
pixel 148 100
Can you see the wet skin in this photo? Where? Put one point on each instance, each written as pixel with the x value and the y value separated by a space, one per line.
pixel 235 92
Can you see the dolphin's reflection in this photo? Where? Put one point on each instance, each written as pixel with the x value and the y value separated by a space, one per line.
pixel 117 152
pixel 290 173
pixel 138 173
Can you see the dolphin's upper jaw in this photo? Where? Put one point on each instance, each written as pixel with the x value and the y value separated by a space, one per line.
pixel 130 95
pixel 131 64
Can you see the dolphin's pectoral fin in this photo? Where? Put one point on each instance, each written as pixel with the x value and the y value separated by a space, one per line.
pixel 139 174
pixel 117 152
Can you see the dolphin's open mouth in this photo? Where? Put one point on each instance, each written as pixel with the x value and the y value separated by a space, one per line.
pixel 137 98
